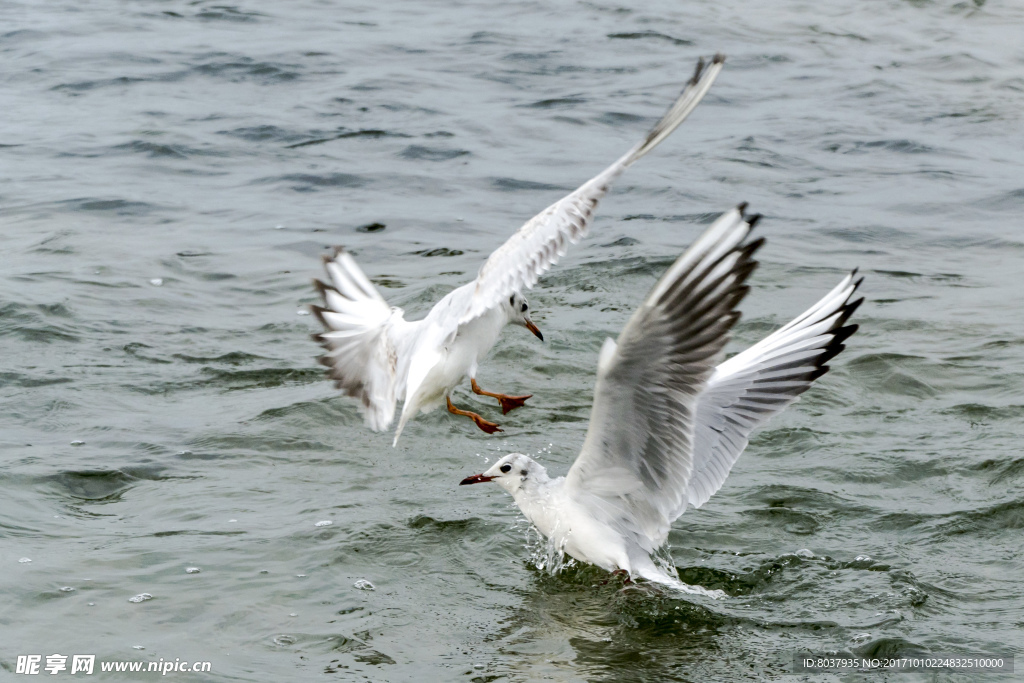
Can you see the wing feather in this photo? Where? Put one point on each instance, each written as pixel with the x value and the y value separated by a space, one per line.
pixel 751 387
pixel 637 459
pixel 534 248
pixel 364 339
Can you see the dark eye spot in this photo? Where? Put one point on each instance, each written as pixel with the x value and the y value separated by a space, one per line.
pixel 525 307
pixel 512 301
pixel 506 467
pixel 523 473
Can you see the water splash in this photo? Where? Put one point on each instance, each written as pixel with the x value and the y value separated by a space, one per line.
pixel 546 555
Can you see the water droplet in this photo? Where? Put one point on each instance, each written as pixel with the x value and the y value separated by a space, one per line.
pixel 92 604
pixel 364 585
pixel 284 640
pixel 232 521
pixel 67 589
pixel 157 281
pixel 278 227
pixel 302 311
pixel 77 443
pixel 183 453
pixel 479 667
pixel 192 570
pixel 294 614
pixel 325 522
pixel 141 597
pixel 460 219
pixel 138 647
pixel 24 560
pixel 300 576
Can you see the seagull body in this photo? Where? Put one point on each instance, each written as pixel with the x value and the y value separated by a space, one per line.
pixel 668 421
pixel 376 355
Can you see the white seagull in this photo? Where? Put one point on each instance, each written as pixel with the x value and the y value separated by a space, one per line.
pixel 667 424
pixel 376 355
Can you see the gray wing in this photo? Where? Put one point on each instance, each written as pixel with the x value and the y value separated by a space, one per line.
pixel 751 387
pixel 634 469
pixel 365 339
pixel 516 265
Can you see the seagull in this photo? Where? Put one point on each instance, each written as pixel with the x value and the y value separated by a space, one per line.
pixel 669 422
pixel 374 354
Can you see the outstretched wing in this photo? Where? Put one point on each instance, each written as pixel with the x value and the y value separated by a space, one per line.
pixel 635 466
pixel 538 245
pixel 749 388
pixel 364 338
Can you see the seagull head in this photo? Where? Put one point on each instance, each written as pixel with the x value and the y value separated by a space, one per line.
pixel 518 312
pixel 511 473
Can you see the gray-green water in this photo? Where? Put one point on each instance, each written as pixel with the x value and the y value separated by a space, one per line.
pixel 218 150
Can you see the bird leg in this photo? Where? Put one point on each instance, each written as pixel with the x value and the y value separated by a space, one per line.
pixel 617 573
pixel 487 426
pixel 508 403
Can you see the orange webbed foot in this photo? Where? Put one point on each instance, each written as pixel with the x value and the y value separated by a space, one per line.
pixel 485 425
pixel 508 403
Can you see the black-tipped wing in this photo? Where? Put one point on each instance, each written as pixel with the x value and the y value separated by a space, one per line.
pixel 751 387
pixel 517 264
pixel 638 457
pixel 363 338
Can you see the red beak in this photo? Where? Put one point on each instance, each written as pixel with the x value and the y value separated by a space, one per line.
pixel 533 328
pixel 475 479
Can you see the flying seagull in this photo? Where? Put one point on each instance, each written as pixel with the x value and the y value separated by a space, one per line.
pixel 668 421
pixel 374 354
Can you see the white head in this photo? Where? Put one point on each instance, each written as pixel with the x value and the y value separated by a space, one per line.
pixel 518 312
pixel 512 473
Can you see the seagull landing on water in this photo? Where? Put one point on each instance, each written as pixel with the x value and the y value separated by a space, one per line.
pixel 377 356
pixel 667 424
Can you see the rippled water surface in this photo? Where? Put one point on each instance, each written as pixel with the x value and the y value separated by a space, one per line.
pixel 170 173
